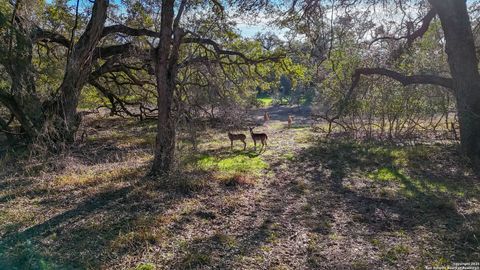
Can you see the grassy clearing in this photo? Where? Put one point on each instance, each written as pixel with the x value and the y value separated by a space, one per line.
pixel 228 166
pixel 265 101
pixel 233 169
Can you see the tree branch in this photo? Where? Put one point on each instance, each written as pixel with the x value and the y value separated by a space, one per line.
pixel 415 34
pixel 44 35
pixel 120 28
pixel 105 52
pixel 219 51
pixel 403 79
pixel 423 28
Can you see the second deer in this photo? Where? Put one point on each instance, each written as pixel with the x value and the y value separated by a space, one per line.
pixel 262 137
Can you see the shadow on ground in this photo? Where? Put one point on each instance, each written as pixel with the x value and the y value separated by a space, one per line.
pixel 325 205
pixel 396 206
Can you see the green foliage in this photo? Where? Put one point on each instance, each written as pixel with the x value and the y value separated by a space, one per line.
pixel 232 165
pixel 265 101
pixel 383 174
pixel 91 98
pixel 289 156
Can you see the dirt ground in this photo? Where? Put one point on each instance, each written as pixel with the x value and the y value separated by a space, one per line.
pixel 305 202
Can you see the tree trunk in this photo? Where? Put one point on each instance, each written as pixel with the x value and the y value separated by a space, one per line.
pixel 21 99
pixel 77 71
pixel 463 63
pixel 165 140
pixel 165 78
pixel 53 120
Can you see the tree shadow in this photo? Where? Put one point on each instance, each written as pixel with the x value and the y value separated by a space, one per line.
pixel 31 236
pixel 385 189
pixel 82 237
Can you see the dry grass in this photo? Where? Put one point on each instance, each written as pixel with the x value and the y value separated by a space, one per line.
pixel 305 203
pixel 240 180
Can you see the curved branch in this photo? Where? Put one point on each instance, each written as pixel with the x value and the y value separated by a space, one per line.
pixel 403 79
pixel 415 34
pixel 423 28
pixel 105 52
pixel 219 51
pixel 48 36
pixel 123 29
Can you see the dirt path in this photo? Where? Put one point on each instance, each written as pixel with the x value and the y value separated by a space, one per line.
pixel 279 114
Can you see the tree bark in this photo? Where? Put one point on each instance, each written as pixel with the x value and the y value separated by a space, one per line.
pixel 463 63
pixel 21 99
pixel 78 69
pixel 53 120
pixel 165 78
pixel 166 66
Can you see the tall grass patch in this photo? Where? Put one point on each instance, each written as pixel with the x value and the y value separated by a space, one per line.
pixel 238 166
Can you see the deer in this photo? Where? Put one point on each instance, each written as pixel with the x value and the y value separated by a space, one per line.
pixel 258 137
pixel 237 137
pixel 290 120
pixel 266 117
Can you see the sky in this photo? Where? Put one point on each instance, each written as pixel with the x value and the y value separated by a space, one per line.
pixel 246 27
pixel 249 27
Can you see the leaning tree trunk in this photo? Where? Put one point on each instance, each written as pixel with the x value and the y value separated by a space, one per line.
pixel 463 62
pixel 24 102
pixel 21 99
pixel 52 120
pixel 77 71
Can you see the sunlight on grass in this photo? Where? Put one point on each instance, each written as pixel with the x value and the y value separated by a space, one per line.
pixel 128 141
pixel 290 156
pixel 265 101
pixel 13 218
pixel 413 187
pixel 303 137
pixel 406 156
pixel 92 176
pixel 231 166
pixel 145 266
pixel 383 174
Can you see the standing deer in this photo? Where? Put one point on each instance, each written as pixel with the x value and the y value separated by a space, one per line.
pixel 258 137
pixel 237 137
pixel 290 120
pixel 266 117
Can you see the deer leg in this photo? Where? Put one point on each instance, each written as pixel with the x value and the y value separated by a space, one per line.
pixel 244 145
pixel 255 145
pixel 231 144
